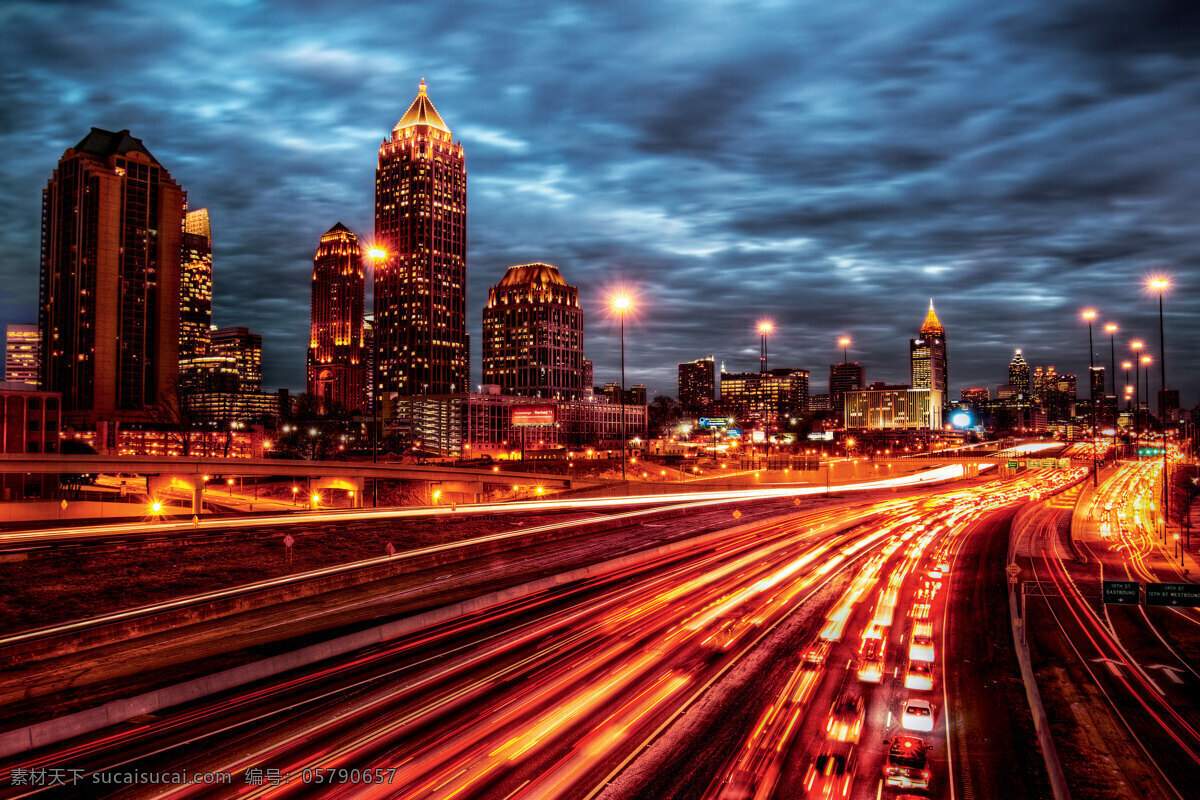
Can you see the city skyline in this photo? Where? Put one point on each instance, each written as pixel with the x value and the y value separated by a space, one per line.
pixel 1032 204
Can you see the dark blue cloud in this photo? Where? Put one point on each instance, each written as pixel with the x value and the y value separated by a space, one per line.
pixel 831 166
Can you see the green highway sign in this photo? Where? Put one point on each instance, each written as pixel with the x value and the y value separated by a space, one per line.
pixel 1172 594
pixel 1013 464
pixel 1122 593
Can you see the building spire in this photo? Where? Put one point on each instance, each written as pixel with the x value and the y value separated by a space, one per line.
pixel 422 112
pixel 932 326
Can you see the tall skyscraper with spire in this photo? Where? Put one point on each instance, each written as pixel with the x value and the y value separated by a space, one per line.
pixel 1018 373
pixel 421 280
pixel 928 355
pixel 336 371
pixel 112 223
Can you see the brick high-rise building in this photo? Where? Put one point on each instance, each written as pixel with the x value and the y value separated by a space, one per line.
pixel 22 354
pixel 533 334
pixel 421 280
pixel 698 384
pixel 848 376
pixel 112 223
pixel 245 348
pixel 928 355
pixel 336 370
pixel 195 285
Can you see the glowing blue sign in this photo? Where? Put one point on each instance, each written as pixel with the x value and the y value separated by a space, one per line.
pixel 960 419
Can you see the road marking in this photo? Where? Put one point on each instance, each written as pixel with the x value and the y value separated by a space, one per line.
pixel 1170 672
pixel 889 720
pixel 1108 662
pixel 879 790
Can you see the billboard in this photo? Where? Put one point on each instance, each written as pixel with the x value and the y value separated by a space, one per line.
pixel 533 415
pixel 714 422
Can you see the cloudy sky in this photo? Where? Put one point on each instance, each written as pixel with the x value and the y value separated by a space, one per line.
pixel 829 166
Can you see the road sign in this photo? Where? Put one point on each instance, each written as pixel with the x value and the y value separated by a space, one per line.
pixel 1013 579
pixel 1013 464
pixel 1121 593
pixel 1013 570
pixel 288 541
pixel 1173 594
pixel 391 549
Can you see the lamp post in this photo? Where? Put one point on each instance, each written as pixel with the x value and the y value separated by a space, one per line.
pixel 1137 396
pixel 1089 315
pixel 377 255
pixel 1111 330
pixel 1146 361
pixel 845 343
pixel 621 304
pixel 1161 285
pixel 764 328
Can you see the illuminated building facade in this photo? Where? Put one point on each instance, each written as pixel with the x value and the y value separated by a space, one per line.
pixel 22 352
pixel 976 396
pixel 245 348
pixel 421 282
pixel 336 372
pixel 928 355
pixel 764 397
pixel 898 409
pixel 698 384
pixel 1018 373
pixel 195 286
pixel 29 423
pixel 112 223
pixel 533 334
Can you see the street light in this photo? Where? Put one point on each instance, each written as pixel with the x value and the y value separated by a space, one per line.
pixel 764 328
pixel 1146 361
pixel 1137 394
pixel 622 304
pixel 1160 285
pixel 1089 315
pixel 845 343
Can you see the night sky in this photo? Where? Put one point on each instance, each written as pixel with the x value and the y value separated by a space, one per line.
pixel 828 166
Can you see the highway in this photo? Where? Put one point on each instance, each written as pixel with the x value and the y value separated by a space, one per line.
pixel 1129 671
pixel 579 690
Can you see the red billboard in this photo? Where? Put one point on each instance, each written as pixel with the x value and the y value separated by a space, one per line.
pixel 533 415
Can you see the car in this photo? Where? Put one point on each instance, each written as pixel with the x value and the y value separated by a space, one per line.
pixel 870 660
pixel 830 775
pixel 815 656
pixel 920 647
pixel 907 764
pixel 917 715
pixel 919 676
pixel 846 717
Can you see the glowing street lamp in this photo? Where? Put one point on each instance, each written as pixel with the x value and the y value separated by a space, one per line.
pixel 621 304
pixel 764 328
pixel 1160 285
pixel 845 343
pixel 1089 315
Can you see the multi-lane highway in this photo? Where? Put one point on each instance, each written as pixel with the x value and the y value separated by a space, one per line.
pixel 773 659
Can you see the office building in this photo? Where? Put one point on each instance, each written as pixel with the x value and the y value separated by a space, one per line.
pixel 928 355
pixel 421 280
pixel 22 353
pixel 112 224
pixel 245 348
pixel 698 384
pixel 764 398
pixel 894 409
pixel 1018 373
pixel 844 377
pixel 29 423
pixel 533 334
pixel 336 371
pixel 195 285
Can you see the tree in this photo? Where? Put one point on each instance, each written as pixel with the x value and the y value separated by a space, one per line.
pixel 663 415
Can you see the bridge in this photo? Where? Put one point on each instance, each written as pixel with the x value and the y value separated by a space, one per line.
pixel 190 472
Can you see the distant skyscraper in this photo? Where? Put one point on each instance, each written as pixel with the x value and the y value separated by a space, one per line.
pixel 336 372
pixel 698 384
pixel 195 286
pixel 588 374
pixel 421 283
pixel 112 221
pixel 928 355
pixel 1018 373
pixel 844 377
pixel 1096 392
pixel 765 397
pixel 246 350
pixel 533 334
pixel 23 346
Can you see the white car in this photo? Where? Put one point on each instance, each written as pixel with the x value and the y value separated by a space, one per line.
pixel 920 648
pixel 917 716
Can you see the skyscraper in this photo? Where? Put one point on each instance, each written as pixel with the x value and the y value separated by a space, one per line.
pixel 195 286
pixel 1018 373
pixel 698 384
pixel 928 355
pixel 421 282
pixel 533 334
pixel 23 346
pixel 844 377
pixel 336 371
pixel 112 221
pixel 245 348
